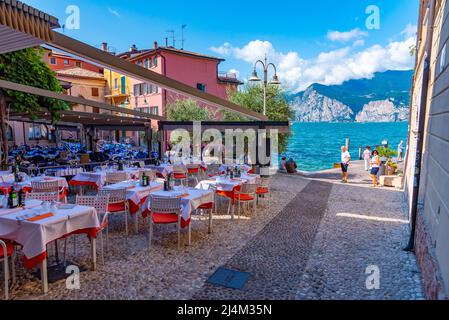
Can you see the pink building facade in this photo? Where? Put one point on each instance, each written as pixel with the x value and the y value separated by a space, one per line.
pixel 196 70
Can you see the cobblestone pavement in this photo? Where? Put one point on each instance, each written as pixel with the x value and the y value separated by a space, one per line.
pixel 359 227
pixel 276 257
pixel 362 227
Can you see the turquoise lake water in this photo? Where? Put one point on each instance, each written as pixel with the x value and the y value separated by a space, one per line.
pixel 316 146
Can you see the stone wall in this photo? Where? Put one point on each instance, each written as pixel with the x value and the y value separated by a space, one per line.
pixel 432 283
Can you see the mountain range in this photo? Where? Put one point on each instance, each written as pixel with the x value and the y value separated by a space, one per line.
pixel 383 98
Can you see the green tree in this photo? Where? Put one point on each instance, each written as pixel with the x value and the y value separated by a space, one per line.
pixel 186 110
pixel 27 67
pixel 278 108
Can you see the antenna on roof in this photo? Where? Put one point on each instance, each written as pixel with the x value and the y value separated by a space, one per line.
pixel 172 32
pixel 184 26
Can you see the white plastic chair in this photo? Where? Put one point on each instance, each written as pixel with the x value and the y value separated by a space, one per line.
pixel 116 177
pixel 213 170
pixel 100 203
pixel 118 203
pixel 4 258
pixel 263 189
pixel 48 187
pixel 49 197
pixel 165 210
pixel 194 171
pixel 246 194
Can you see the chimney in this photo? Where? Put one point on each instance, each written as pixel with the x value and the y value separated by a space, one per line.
pixel 133 48
pixel 155 45
pixel 104 46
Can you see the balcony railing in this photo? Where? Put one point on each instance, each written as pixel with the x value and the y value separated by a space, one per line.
pixel 227 75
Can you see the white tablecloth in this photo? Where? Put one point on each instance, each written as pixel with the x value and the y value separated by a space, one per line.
pixel 64 172
pixel 62 182
pixel 163 169
pixel 138 193
pixel 34 236
pixel 226 184
pixel 99 178
pixel 6 176
pixel 244 167
pixel 195 199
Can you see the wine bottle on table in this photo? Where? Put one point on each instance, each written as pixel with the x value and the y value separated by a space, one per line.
pixel 21 198
pixel 13 200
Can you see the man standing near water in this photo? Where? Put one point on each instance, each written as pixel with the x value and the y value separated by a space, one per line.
pixel 401 151
pixel 367 158
pixel 345 160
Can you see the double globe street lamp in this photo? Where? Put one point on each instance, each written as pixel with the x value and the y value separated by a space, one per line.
pixel 274 80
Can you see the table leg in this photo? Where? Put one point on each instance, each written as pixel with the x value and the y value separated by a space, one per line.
pixel 93 243
pixel 44 276
pixel 136 221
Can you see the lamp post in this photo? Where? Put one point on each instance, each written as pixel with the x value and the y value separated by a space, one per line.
pixel 255 78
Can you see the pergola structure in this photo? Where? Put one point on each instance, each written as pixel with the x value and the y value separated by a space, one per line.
pixel 22 26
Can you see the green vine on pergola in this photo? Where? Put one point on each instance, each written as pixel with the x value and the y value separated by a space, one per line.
pixel 27 67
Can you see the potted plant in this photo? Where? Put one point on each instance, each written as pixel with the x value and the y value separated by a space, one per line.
pixel 386 154
pixel 392 168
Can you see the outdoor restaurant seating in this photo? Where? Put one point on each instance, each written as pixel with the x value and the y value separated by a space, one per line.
pixel 166 211
pixel 51 186
pixel 42 196
pixel 7 252
pixel 100 203
pixel 193 171
pixel 213 170
pixel 120 192
pixel 180 174
pixel 263 188
pixel 246 194
pixel 115 177
pixel 118 203
pixel 149 173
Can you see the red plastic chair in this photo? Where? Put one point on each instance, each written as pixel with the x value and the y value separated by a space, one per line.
pixel 166 211
pixel 246 194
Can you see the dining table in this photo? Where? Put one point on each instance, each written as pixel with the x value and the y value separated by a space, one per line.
pixel 227 187
pixel 26 184
pixel 97 179
pixel 36 225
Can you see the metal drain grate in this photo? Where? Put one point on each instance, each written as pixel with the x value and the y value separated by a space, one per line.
pixel 229 278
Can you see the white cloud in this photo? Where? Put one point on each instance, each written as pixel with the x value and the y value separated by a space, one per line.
pixel 331 67
pixel 346 36
pixel 359 43
pixel 236 72
pixel 410 31
pixel 114 12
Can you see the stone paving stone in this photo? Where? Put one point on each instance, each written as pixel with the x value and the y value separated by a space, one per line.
pixel 277 255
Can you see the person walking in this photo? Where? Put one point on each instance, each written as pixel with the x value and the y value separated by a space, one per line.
pixel 401 151
pixel 367 157
pixel 345 161
pixel 375 166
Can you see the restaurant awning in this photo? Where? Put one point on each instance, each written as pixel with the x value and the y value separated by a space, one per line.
pixel 23 26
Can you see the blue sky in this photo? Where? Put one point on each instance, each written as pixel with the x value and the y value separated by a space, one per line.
pixel 310 41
